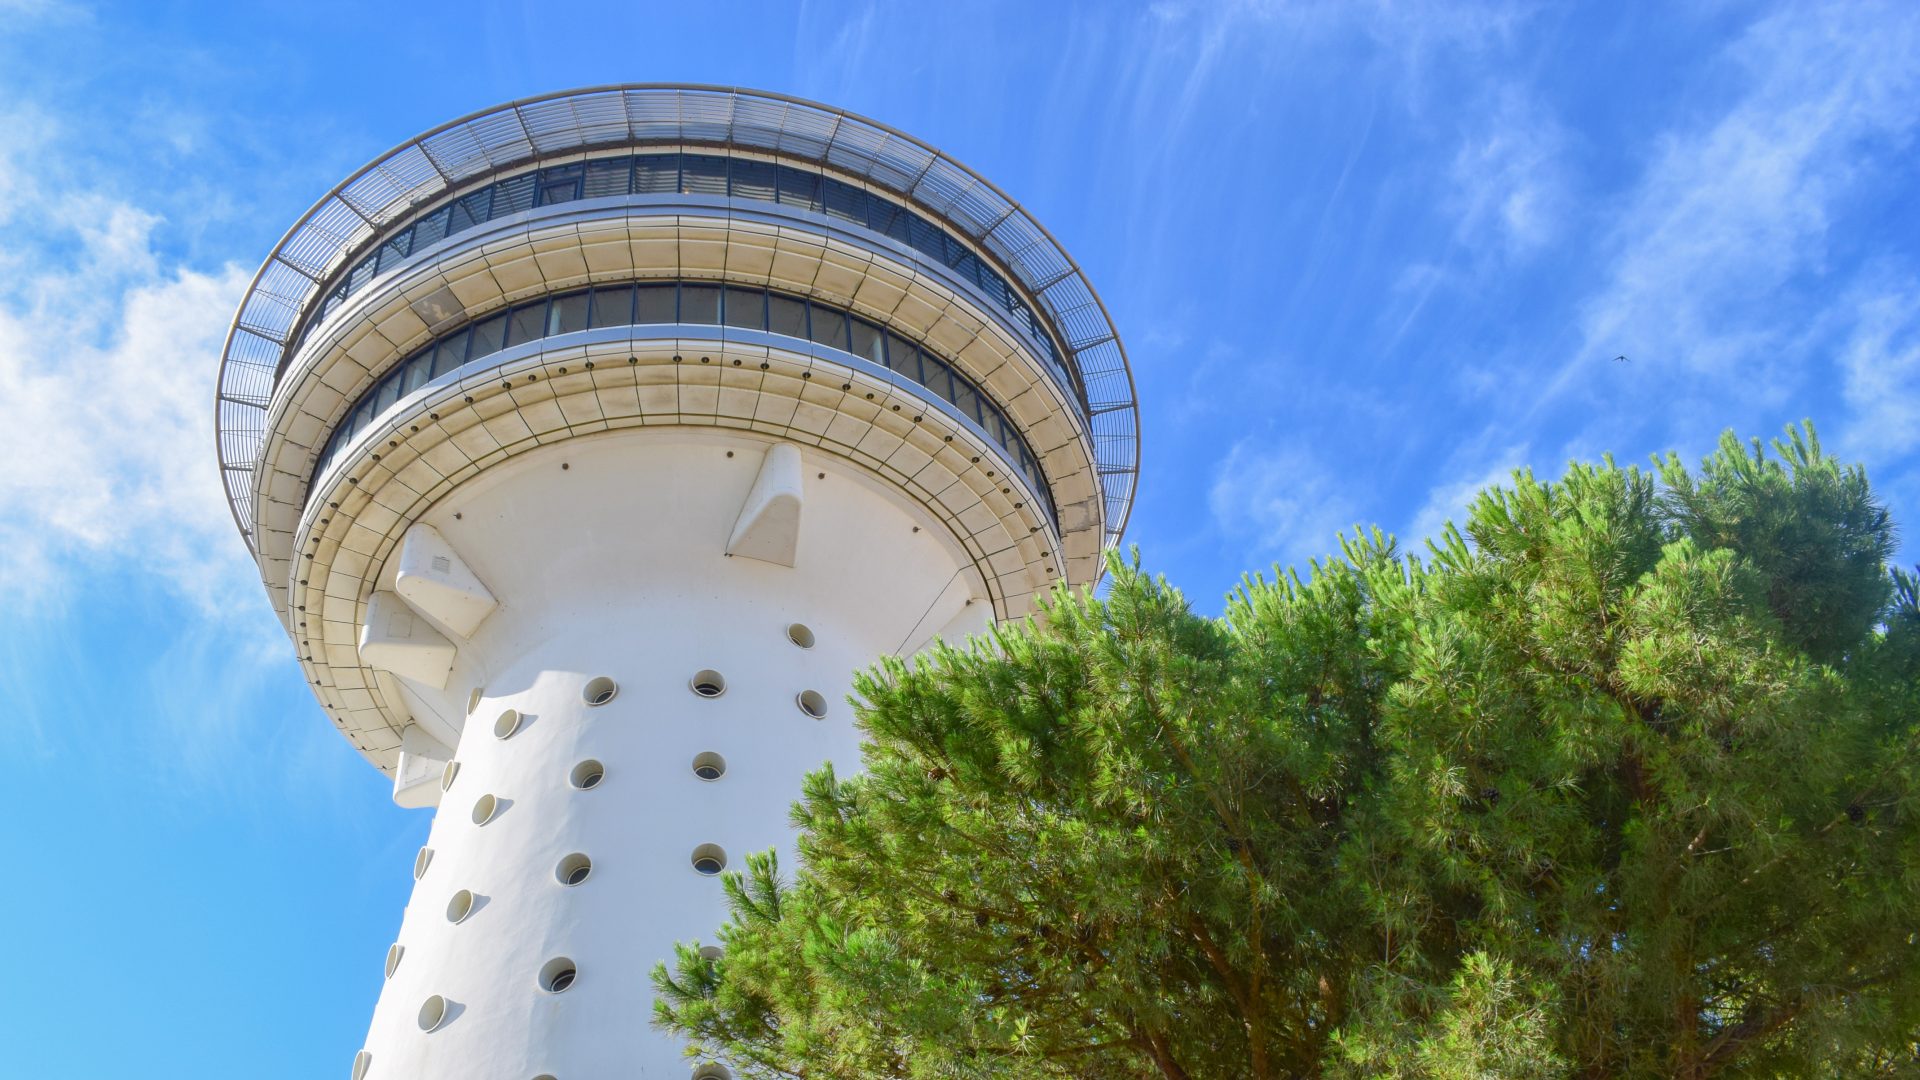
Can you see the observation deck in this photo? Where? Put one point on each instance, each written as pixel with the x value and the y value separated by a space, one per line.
pixel 370 226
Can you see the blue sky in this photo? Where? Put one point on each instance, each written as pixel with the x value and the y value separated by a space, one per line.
pixel 1367 257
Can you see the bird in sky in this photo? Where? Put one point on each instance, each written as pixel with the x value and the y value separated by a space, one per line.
pixel 1619 359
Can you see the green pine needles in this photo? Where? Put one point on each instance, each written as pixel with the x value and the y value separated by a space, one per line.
pixel 1621 781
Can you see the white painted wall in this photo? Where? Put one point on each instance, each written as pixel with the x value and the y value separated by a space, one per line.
pixel 607 556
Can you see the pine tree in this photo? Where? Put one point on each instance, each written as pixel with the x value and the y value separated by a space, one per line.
pixel 1620 780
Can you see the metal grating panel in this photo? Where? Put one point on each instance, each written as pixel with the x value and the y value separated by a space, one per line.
pixel 456 152
pixel 423 167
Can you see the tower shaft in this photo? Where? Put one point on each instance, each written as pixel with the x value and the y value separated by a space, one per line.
pixel 608 560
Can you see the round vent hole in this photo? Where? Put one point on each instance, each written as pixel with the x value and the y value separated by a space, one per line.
pixel 813 703
pixel 708 683
pixel 800 635
pixel 484 808
pixel 557 974
pixel 573 869
pixel 599 691
pixel 709 859
pixel 709 765
pixel 433 1012
pixel 587 775
pixel 460 906
pixel 507 724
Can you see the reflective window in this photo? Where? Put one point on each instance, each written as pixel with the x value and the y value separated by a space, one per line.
pixel 700 304
pixel 696 302
pixel 830 327
pixel 431 229
pixel 450 353
pixel 656 174
pixel 746 307
pixel 655 305
pixel 613 306
pixel 513 195
pixel 395 250
pixel 752 180
pixel 935 375
pixel 471 210
pixel 703 175
pixel 903 357
pixel 561 183
pixel 419 370
pixel 568 313
pixel 867 342
pixel 487 337
pixel 799 187
pixel 609 176
pixel 527 323
pixel 787 315
pixel 848 203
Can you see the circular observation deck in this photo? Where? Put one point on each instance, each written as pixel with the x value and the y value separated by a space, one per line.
pixel 317 263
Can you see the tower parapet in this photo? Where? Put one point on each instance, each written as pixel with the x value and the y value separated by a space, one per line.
pixel 586 446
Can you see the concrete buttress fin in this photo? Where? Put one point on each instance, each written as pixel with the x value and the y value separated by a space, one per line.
pixel 435 581
pixel 768 528
pixel 423 761
pixel 395 638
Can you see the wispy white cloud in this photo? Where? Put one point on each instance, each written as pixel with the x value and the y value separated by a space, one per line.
pixel 1880 365
pixel 106 359
pixel 1278 501
pixel 1731 210
pixel 1508 181
pixel 32 10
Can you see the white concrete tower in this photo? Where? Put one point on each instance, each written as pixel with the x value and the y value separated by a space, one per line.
pixel 587 445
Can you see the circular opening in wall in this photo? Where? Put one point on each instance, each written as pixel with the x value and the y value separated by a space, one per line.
pixel 712 1071
pixel 711 952
pixel 420 862
pixel 362 1061
pixel 708 683
pixel 484 808
pixel 557 974
pixel 460 906
pixel 447 774
pixel 813 703
pixel 800 635
pixel 587 775
pixel 508 723
pixel 394 953
pixel 573 869
pixel 432 1012
pixel 709 859
pixel 473 699
pixel 709 765
pixel 600 690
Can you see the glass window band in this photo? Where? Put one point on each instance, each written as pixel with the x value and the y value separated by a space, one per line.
pixel 703 303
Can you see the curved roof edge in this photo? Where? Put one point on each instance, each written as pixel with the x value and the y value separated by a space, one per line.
pixel 430 164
